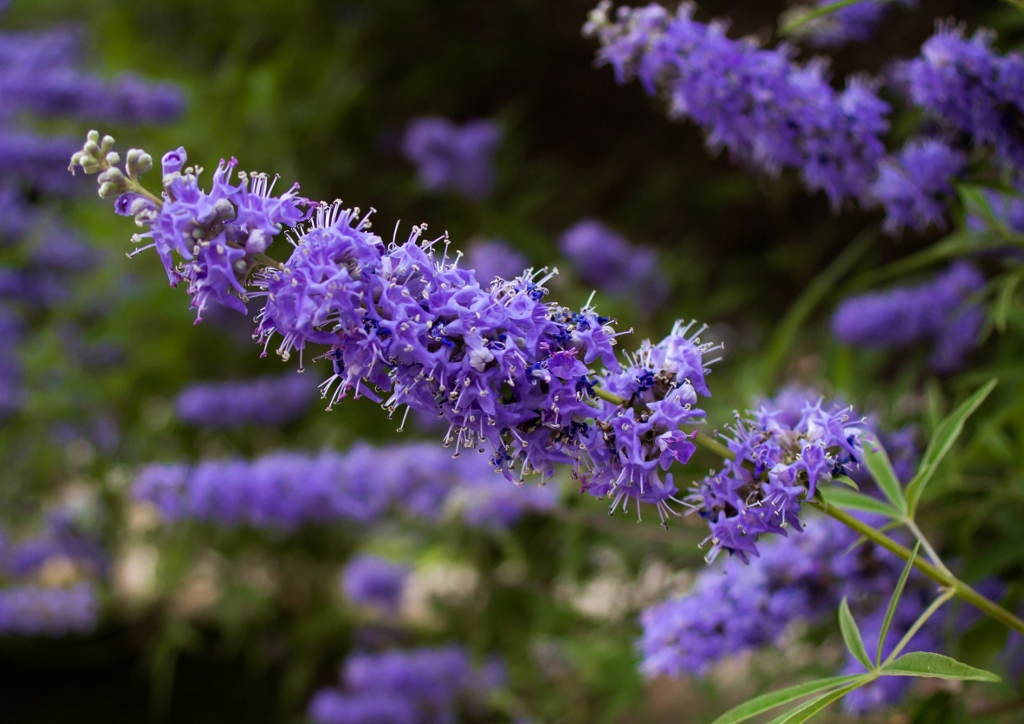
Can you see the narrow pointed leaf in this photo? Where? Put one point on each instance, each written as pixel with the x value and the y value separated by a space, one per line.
pixel 851 635
pixel 845 481
pixel 805 711
pixel 935 666
pixel 852 500
pixel 893 602
pixel 766 702
pixel 945 435
pixel 878 464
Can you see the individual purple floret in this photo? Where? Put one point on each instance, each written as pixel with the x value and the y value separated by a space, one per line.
pixel 972 88
pixel 36 611
pixel 937 311
pixel 286 490
pixel 490 259
pixel 778 463
pixel 604 259
pixel 916 186
pixel 265 401
pixel 797 578
pixel 757 103
pixel 451 157
pixel 374 581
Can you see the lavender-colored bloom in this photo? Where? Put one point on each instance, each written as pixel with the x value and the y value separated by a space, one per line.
pixel 916 186
pixel 374 581
pixel 286 490
pixel 936 310
pixel 777 464
pixel 796 578
pixel 1007 210
pixel 330 706
pixel 37 611
pixel 265 401
pixel 219 234
pixel 756 103
pixel 408 328
pixel 12 392
pixel 969 86
pixel 451 157
pixel 634 445
pixel 490 259
pixel 603 258
pixel 415 686
pixel 39 161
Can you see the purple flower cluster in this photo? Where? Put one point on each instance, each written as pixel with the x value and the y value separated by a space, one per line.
pixel 451 157
pixel 937 310
pixel 31 610
pixel 491 259
pixel 780 459
pixel 12 392
pixel 797 579
pixel 604 259
pixel 972 88
pixel 416 686
pixel 287 490
pixel 916 185
pixel 220 235
pixel 374 581
pixel 757 103
pixel 641 439
pixel 265 401
pixel 801 577
pixel 41 73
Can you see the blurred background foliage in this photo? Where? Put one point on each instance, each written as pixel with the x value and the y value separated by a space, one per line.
pixel 320 92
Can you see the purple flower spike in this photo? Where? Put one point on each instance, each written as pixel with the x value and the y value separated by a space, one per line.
pixel 936 310
pixel 374 581
pixel 453 158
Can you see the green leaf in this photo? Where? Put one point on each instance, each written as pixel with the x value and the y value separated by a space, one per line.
pixel 878 464
pixel 851 635
pixel 805 711
pixel 1004 303
pixel 894 601
pixel 806 17
pixel 961 243
pixel 945 435
pixel 852 500
pixel 765 702
pixel 845 481
pixel 935 666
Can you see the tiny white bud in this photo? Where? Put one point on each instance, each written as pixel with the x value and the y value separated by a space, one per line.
pixel 108 143
pixel 113 159
pixel 93 136
pixel 108 190
pixel 92 149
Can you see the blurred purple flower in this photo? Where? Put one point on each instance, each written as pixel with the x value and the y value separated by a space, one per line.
pixel 374 581
pixel 264 401
pixel 604 259
pixel 451 157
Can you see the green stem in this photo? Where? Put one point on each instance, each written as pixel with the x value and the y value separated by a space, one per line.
pixel 607 396
pixel 959 588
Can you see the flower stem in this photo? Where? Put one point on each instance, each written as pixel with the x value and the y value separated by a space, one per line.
pixel 943 578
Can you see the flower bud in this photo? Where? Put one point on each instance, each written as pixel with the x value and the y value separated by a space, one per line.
pixel 109 190
pixel 113 158
pixel 108 143
pixel 145 163
pixel 93 136
pixel 92 149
